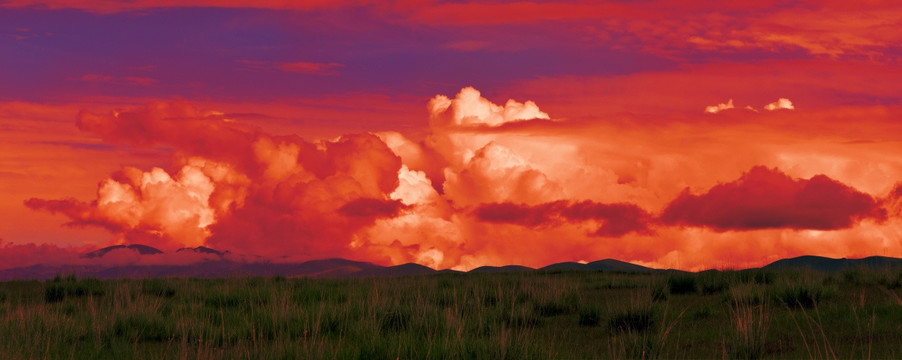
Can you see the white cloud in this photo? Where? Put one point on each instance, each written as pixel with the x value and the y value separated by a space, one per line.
pixel 714 109
pixel 781 103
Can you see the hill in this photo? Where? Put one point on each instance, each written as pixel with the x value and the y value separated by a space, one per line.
pixel 825 264
pixel 204 262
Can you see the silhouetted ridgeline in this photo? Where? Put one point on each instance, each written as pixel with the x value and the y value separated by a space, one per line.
pixel 211 263
pixel 825 264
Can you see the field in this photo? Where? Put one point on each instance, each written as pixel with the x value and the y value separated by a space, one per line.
pixel 748 314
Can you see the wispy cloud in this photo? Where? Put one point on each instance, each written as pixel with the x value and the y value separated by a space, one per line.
pixel 119 80
pixel 298 67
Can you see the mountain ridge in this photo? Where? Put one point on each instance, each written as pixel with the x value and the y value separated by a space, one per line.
pixel 216 263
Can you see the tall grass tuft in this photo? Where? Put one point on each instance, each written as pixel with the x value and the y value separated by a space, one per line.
pixel 589 316
pixel 59 288
pixel 749 333
pixel 805 294
pixel 682 284
pixel 637 316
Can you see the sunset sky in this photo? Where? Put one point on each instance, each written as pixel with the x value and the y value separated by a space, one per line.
pixel 452 134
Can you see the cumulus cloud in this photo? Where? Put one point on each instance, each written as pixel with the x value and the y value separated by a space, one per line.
pixel 714 109
pixel 510 176
pixel 469 108
pixel 238 187
pixel 474 190
pixel 781 103
pixel 150 204
pixel 765 198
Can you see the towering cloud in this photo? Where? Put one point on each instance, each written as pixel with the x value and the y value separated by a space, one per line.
pixel 765 198
pixel 488 184
pixel 144 205
pixel 236 187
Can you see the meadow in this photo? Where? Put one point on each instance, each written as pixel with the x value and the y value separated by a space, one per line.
pixel 749 314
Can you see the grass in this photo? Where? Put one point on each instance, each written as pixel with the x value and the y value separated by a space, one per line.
pixel 746 314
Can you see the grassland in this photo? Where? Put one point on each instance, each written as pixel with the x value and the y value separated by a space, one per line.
pixel 531 315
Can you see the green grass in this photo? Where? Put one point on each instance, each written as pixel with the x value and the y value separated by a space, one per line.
pixel 746 314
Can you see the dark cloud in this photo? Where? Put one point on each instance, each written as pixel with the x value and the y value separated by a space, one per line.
pixel 616 219
pixel 765 198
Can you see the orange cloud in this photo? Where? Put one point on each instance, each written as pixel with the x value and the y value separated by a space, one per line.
pixel 781 103
pixel 490 184
pixel 714 109
pixel 237 187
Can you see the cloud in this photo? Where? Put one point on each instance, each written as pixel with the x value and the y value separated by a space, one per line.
pixel 467 193
pixel 496 173
pixel 714 109
pixel 469 108
pixel 370 208
pixel 893 201
pixel 781 103
pixel 616 219
pixel 23 255
pixel 765 198
pixel 113 6
pixel 126 80
pixel 311 68
pixel 469 45
pixel 151 203
pixel 19 255
pixel 234 186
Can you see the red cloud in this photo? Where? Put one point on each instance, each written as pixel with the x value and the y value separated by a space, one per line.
pixel 236 187
pixel 17 255
pixel 766 198
pixel 127 80
pixel 313 68
pixel 367 207
pixel 520 214
pixel 617 219
pixel 108 6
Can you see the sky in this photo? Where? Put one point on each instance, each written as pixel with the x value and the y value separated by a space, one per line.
pixel 452 134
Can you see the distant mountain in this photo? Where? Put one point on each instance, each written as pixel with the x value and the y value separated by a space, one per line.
pixel 227 266
pixel 501 269
pixel 825 264
pixel 617 265
pixel 600 265
pixel 565 266
pixel 141 249
pixel 409 269
pixel 203 250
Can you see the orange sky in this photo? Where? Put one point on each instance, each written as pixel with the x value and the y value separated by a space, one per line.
pixel 453 135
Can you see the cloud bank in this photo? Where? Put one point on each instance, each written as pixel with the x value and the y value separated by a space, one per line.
pixel 488 184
